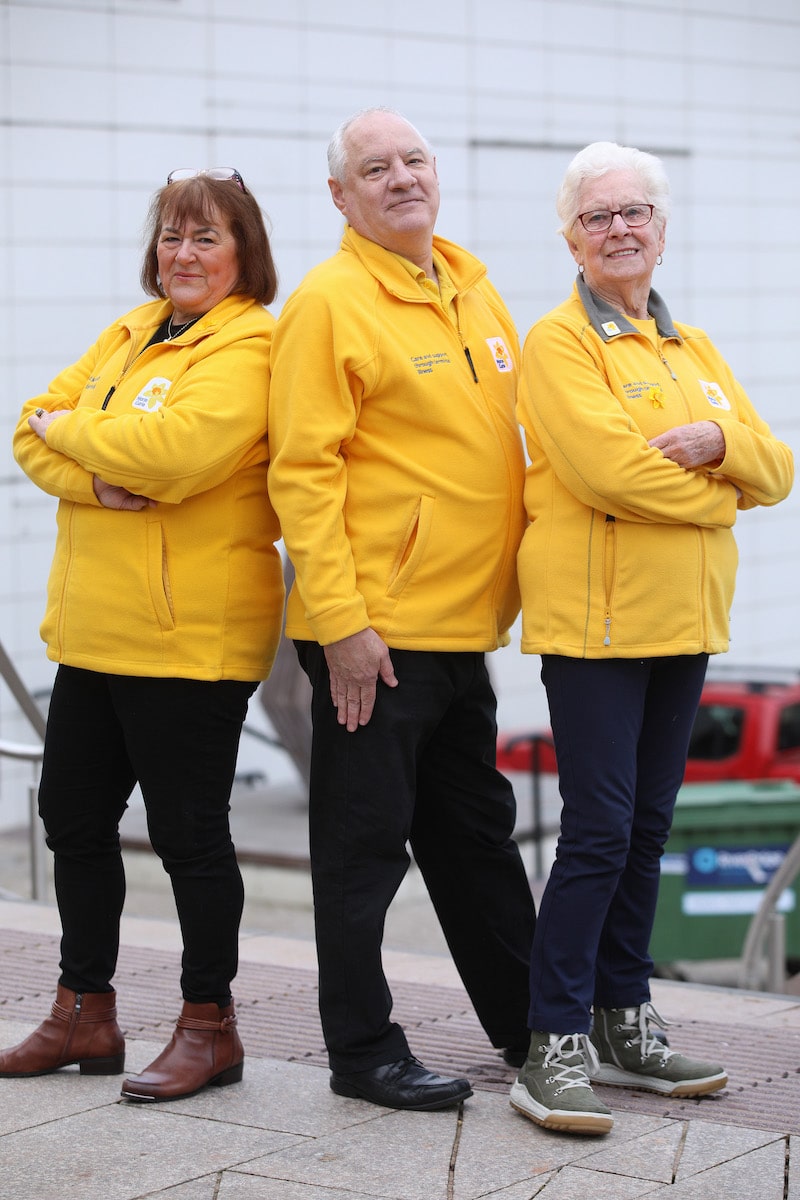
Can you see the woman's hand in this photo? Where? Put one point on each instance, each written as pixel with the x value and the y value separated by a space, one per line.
pixel 39 420
pixel 112 496
pixel 697 445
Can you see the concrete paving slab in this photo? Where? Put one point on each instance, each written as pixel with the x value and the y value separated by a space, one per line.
pixel 282 1097
pixel 496 1150
pixel 528 1189
pixel 758 1175
pixel 572 1182
pixel 678 1002
pixel 793 1173
pixel 39 1100
pixel 708 1144
pixel 34 917
pixel 30 916
pixel 498 1147
pixel 32 1104
pixel 783 1018
pixel 138 1054
pixel 236 1186
pixel 256 947
pixel 651 1156
pixel 206 1188
pixel 400 1156
pixel 119 1152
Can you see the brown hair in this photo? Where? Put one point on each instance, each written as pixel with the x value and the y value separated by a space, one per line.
pixel 200 199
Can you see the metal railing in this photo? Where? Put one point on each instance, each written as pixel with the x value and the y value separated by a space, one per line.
pixel 31 753
pixel 36 842
pixel 768 925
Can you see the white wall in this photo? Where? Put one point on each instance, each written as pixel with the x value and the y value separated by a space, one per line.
pixel 99 99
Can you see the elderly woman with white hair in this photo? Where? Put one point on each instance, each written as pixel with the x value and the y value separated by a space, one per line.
pixel 643 447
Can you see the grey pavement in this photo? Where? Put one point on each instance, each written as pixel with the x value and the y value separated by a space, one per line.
pixel 281 1134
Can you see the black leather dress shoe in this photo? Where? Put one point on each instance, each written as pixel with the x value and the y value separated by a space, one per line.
pixel 402 1084
pixel 515 1056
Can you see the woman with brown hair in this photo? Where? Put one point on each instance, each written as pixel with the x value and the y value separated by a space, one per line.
pixel 163 614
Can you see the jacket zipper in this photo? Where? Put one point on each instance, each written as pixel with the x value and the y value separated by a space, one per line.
pixel 125 370
pixel 609 571
pixel 467 354
pixel 666 364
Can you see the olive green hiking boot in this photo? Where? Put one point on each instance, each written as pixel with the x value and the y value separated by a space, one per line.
pixel 553 1088
pixel 632 1056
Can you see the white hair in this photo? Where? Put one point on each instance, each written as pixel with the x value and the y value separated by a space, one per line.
pixel 597 160
pixel 337 150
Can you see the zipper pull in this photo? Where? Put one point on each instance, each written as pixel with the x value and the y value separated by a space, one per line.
pixel 607 638
pixel 471 364
pixel 104 405
pixel 669 368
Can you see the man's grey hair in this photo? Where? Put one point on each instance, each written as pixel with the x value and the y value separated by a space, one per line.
pixel 337 151
pixel 597 160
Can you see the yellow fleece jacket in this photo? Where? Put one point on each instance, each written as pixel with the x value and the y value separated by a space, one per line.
pixel 627 553
pixel 192 587
pixel 397 466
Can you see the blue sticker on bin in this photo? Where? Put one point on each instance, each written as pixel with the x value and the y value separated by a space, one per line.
pixel 733 866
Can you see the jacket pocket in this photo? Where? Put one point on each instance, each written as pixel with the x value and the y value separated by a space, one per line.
pixel 158 576
pixel 413 546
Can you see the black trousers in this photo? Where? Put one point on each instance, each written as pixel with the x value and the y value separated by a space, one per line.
pixel 422 771
pixel 179 739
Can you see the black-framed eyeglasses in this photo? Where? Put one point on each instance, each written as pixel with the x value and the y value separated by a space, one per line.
pixel 212 172
pixel 602 219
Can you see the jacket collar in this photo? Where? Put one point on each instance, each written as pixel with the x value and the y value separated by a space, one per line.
pixel 462 267
pixel 147 317
pixel 608 323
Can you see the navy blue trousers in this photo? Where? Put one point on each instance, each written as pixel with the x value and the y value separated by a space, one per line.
pixel 621 729
pixel 179 739
pixel 422 771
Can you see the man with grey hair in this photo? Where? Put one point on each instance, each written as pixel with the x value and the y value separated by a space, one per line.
pixel 397 474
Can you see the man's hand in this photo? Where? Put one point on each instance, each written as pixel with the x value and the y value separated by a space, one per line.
pixel 356 664
pixel 694 445
pixel 112 496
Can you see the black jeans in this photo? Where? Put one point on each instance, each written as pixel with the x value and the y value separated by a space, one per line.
pixel 421 771
pixel 179 739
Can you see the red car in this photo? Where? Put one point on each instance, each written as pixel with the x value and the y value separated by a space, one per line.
pixel 744 729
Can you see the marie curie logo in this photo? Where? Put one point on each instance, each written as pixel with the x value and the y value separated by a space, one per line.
pixel 733 866
pixel 153 394
pixel 500 353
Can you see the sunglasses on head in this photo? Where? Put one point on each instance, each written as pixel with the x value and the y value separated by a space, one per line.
pixel 212 172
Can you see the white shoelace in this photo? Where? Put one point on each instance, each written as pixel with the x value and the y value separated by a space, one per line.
pixel 571 1074
pixel 642 1037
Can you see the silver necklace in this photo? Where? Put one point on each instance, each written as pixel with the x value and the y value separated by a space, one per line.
pixel 173 333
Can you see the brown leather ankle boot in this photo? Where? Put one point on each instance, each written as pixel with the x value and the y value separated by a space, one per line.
pixel 205 1049
pixel 82 1028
